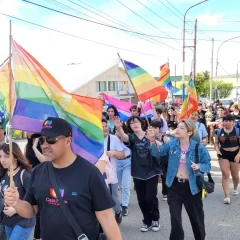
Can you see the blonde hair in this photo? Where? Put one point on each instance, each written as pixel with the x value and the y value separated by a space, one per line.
pixel 190 126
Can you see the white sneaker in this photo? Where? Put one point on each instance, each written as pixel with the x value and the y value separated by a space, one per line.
pixel 226 201
pixel 145 227
pixel 155 226
pixel 235 192
pixel 164 197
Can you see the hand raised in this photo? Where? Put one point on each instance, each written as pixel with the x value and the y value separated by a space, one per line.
pixel 117 122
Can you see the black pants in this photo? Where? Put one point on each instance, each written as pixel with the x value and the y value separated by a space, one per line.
pixel 147 198
pixel 179 194
pixel 164 186
pixel 37 227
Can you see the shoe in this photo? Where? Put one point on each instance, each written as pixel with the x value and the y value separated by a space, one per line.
pixel 164 197
pixel 235 192
pixel 155 226
pixel 226 201
pixel 124 211
pixel 118 217
pixel 145 227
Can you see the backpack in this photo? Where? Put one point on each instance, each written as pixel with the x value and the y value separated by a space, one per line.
pixel 109 170
pixel 236 129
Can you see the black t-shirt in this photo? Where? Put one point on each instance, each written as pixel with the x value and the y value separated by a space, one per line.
pixel 202 118
pixel 22 189
pixel 143 164
pixel 83 190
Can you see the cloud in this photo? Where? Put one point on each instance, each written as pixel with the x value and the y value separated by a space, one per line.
pixel 211 20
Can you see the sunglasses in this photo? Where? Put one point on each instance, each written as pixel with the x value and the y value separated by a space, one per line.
pixel 49 140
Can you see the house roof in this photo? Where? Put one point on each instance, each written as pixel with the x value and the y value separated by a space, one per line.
pixel 115 65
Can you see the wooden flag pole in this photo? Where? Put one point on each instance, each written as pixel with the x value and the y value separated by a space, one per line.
pixel 134 90
pixel 10 107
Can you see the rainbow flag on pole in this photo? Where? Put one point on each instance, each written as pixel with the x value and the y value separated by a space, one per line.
pixel 190 104
pixel 145 85
pixel 164 78
pixel 39 95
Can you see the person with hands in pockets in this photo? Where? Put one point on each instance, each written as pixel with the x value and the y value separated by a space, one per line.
pixel 181 178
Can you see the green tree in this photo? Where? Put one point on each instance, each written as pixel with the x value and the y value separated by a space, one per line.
pixel 202 83
pixel 224 88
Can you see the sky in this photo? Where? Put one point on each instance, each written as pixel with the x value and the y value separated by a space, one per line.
pixel 75 60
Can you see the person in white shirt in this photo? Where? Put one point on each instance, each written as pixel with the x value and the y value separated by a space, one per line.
pixel 114 150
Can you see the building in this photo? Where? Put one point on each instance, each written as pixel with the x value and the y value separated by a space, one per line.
pixel 114 82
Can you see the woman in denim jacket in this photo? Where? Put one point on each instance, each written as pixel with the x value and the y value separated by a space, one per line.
pixel 181 178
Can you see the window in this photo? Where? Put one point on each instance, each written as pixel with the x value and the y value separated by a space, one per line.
pixel 101 86
pixel 112 86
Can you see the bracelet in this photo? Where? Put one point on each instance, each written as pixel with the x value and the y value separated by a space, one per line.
pixel 238 154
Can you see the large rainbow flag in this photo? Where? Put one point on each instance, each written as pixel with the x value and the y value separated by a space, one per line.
pixel 4 94
pixel 190 104
pixel 144 84
pixel 39 95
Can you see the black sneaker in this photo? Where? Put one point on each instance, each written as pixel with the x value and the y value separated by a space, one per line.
pixel 124 211
pixel 145 227
pixel 118 217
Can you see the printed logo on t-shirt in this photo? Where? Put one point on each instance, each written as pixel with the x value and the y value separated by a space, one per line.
pixel 53 199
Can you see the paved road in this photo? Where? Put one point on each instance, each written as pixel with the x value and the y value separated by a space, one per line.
pixel 222 221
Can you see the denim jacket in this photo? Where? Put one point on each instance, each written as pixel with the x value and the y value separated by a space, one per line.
pixel 172 149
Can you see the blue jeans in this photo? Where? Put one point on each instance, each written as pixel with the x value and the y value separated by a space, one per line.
pixel 18 233
pixel 124 179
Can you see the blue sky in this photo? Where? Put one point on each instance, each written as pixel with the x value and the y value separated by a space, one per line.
pixel 56 51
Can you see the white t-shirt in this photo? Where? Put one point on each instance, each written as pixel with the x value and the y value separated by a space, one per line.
pixel 126 150
pixel 115 145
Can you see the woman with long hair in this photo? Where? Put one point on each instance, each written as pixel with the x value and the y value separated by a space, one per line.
pixel 181 177
pixel 16 227
pixel 228 152
pixel 111 114
pixel 235 111
pixel 144 170
pixel 172 118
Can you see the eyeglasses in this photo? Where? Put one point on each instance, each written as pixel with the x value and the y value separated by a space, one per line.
pixel 49 140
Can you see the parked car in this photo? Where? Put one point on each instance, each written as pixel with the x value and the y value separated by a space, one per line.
pixel 177 103
pixel 226 102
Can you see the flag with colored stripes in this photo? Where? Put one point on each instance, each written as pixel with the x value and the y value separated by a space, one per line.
pixel 190 104
pixel 144 84
pixel 39 95
pixel 123 107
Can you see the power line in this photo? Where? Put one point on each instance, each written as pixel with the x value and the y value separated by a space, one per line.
pixel 224 70
pixel 145 21
pixel 85 39
pixel 106 25
pixel 218 30
pixel 186 18
pixel 146 38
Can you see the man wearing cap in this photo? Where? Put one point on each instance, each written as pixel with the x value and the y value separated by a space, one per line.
pixel 81 187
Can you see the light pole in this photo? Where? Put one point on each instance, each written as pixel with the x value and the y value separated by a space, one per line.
pixel 219 49
pixel 237 81
pixel 183 49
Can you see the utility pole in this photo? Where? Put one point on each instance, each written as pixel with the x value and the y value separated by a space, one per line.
pixel 211 79
pixel 175 76
pixel 195 50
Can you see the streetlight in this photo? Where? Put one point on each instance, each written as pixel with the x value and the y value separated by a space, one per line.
pixel 219 49
pixel 237 81
pixel 183 50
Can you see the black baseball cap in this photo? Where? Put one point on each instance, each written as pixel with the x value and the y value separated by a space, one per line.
pixel 54 127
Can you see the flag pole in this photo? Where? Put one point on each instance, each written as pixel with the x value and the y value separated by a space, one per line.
pixel 10 107
pixel 134 90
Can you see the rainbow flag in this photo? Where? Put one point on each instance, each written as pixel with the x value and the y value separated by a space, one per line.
pixel 39 95
pixel 145 85
pixel 190 104
pixel 4 94
pixel 164 78
pixel 123 107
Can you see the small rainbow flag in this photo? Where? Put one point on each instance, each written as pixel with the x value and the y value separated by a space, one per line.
pixel 164 78
pixel 39 95
pixel 190 104
pixel 145 85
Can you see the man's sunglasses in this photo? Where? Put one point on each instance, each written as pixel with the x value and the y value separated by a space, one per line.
pixel 49 140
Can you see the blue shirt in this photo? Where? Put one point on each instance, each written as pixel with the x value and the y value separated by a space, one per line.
pixel 201 129
pixel 172 149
